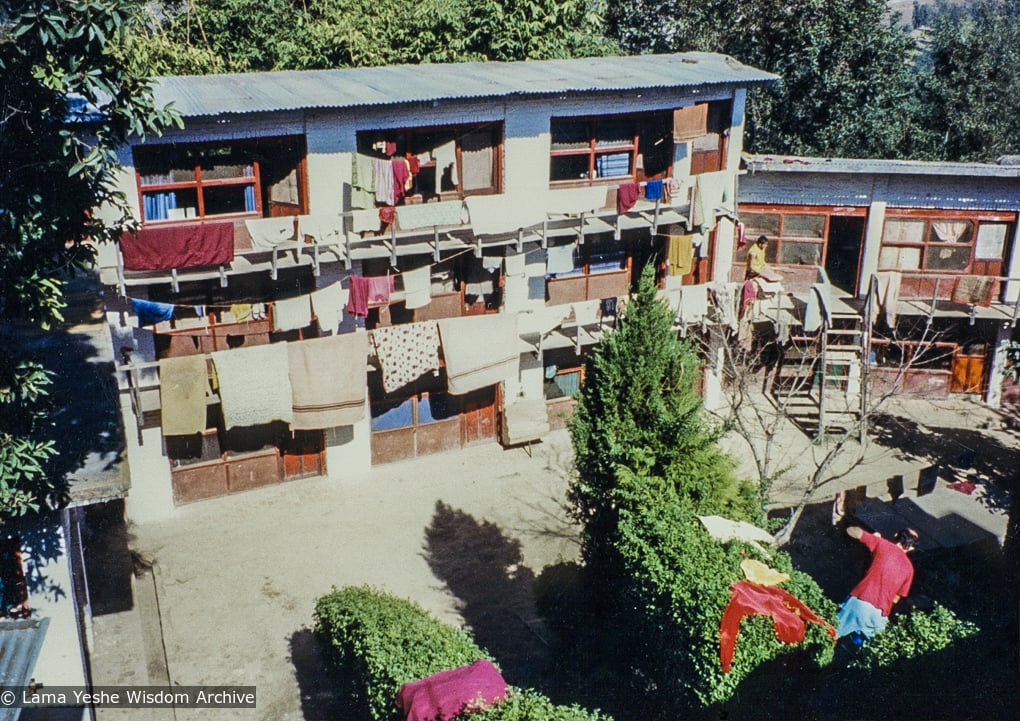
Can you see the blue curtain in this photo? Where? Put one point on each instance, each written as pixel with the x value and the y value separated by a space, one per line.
pixel 157 205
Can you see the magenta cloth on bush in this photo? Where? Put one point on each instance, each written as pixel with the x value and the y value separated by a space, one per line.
pixel 444 695
pixel 178 246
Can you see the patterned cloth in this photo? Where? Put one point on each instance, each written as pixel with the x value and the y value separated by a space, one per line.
pixel 429 215
pixel 406 352
pixel 254 384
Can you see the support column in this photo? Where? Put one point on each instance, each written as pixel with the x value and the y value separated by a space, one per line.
pixel 993 397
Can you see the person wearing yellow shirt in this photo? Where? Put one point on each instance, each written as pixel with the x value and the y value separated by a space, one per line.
pixel 756 264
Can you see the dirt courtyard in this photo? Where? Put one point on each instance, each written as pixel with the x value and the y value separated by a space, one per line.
pixel 231 594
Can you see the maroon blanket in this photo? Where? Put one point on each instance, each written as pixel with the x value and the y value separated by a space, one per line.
pixel 447 694
pixel 178 246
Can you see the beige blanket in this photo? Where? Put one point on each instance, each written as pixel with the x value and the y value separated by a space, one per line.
pixel 327 378
pixel 254 384
pixel 183 383
pixel 479 350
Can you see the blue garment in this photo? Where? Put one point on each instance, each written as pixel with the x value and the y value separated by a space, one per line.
pixel 860 616
pixel 150 313
pixel 653 190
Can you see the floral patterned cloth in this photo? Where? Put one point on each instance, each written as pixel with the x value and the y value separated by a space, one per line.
pixel 406 352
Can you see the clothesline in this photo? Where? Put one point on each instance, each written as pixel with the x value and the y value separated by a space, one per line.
pixel 228 306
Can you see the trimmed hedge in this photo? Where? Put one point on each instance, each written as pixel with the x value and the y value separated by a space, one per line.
pixel 377 642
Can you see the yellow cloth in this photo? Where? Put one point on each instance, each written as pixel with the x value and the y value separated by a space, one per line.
pixel 758 572
pixel 680 254
pixel 756 259
pixel 241 311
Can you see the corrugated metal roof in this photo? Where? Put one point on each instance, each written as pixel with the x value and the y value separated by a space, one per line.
pixel 802 164
pixel 397 84
pixel 20 641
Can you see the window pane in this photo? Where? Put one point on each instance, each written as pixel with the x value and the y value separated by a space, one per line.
pixel 388 416
pixel 710 141
pixel 570 135
pixel 899 259
pixel 943 257
pixel 899 230
pixel 568 383
pixel 991 239
pixel 804 226
pixel 794 253
pixel 756 224
pixel 612 132
pixel 604 253
pixel 221 199
pixel 478 158
pixel 612 165
pixel 568 167
pixel 435 407
pixel 951 231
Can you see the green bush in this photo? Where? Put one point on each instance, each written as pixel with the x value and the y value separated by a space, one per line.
pixel 677 581
pixel 377 642
pixel 914 635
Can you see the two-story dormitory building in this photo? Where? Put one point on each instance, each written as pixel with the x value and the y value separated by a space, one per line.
pixel 339 268
pixel 937 241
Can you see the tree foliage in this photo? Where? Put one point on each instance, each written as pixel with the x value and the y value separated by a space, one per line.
pixel 639 410
pixel 245 35
pixel 845 84
pixel 970 96
pixel 67 103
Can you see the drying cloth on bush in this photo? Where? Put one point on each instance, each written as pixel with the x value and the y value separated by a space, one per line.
pixel 178 246
pixel 757 572
pixel 406 352
pixel 327 377
pixel 267 233
pixel 479 350
pixel 417 287
pixel 857 616
pixel 327 304
pixel 448 694
pixel 182 389
pixel 726 530
pixel 964 487
pixel 750 599
pixel 974 290
pixel 150 312
pixel 254 384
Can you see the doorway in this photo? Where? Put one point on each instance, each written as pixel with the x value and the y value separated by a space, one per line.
pixel 843 253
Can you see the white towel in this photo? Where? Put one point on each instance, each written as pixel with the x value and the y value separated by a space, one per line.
pixel 577 200
pixel 888 295
pixel 428 215
pixel 586 313
pixel 559 259
pixel 514 264
pixel 495 214
pixel 384 190
pixel 292 313
pixel 417 287
pixel 515 293
pixel 693 303
pixel 267 233
pixel 327 304
pixel 364 221
pixel 480 350
pixel 254 383
pixel 324 228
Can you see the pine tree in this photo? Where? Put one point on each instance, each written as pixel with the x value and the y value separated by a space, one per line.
pixel 640 416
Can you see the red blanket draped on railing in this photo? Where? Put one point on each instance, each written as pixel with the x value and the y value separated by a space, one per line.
pixel 178 246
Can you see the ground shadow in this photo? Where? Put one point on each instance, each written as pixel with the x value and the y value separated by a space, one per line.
pixel 485 571
pixel 108 560
pixel 317 681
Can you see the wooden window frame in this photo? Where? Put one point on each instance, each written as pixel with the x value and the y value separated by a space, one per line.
pixel 199 184
pixel 593 151
pixel 777 240
pixel 933 216
pixel 365 139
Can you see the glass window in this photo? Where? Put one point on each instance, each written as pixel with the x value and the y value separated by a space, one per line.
pixel 893 258
pixel 901 230
pixel 756 224
pixel 608 146
pixel 941 257
pixel 804 226
pixel 387 416
pixel 991 241
pixel 794 253
pixel 436 407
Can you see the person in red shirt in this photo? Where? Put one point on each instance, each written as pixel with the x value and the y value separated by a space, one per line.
pixel 866 611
